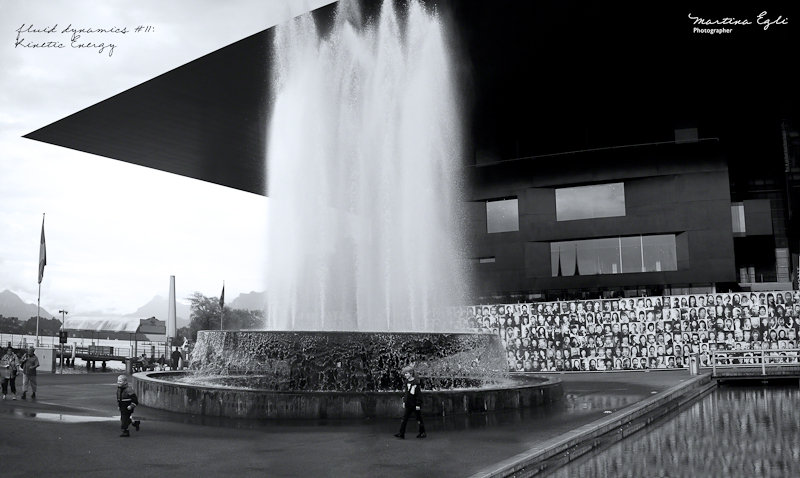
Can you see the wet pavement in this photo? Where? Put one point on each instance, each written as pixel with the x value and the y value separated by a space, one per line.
pixel 72 427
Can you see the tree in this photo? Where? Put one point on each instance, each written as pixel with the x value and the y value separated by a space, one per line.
pixel 240 319
pixel 10 325
pixel 47 327
pixel 205 313
pixel 180 334
pixel 206 316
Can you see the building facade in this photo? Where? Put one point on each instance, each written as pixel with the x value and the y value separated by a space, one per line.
pixel 648 219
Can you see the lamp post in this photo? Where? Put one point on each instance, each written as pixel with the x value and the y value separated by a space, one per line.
pixel 60 340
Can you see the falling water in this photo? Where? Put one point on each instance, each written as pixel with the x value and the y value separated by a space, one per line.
pixel 365 146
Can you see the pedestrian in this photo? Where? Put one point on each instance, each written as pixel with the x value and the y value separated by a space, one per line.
pixel 144 364
pixel 412 402
pixel 176 359
pixel 127 401
pixel 9 365
pixel 29 363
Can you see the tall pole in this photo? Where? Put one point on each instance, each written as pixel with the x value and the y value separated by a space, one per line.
pixel 38 308
pixel 172 325
pixel 42 263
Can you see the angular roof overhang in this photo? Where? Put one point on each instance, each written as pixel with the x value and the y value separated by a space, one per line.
pixel 536 78
pixel 205 120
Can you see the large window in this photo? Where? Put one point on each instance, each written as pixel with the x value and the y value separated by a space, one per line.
pixel 737 215
pixel 614 255
pixel 502 215
pixel 590 202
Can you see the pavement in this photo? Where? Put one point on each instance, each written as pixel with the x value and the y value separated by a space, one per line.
pixel 72 429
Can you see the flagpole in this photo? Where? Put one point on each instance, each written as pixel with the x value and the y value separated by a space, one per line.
pixel 38 308
pixel 42 262
pixel 222 306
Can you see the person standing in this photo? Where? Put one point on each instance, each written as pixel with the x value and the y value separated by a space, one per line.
pixel 127 401
pixel 176 359
pixel 412 402
pixel 29 363
pixel 8 371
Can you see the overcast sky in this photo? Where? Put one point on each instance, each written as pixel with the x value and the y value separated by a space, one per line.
pixel 116 232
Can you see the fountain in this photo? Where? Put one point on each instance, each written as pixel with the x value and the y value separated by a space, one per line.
pixel 367 242
pixel 365 151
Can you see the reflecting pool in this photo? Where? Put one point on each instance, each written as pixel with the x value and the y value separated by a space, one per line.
pixel 735 431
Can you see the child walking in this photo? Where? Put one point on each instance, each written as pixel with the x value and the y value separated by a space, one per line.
pixel 127 401
pixel 412 402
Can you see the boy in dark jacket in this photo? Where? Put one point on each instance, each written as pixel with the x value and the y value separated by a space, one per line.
pixel 127 401
pixel 412 402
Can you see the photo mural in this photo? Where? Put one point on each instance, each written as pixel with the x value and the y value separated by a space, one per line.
pixel 640 333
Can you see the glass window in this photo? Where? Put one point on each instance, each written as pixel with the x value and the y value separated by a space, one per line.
pixel 607 253
pixel 482 260
pixel 567 256
pixel 631 253
pixel 587 258
pixel 555 257
pixel 658 253
pixel 737 215
pixel 502 215
pixel 614 255
pixel 590 202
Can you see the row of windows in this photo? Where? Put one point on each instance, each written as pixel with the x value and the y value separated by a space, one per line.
pixel 614 255
pixel 583 202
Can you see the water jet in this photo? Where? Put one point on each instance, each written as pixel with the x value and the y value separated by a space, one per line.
pixel 367 239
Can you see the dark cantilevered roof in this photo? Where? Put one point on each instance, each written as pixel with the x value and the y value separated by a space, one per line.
pixel 536 78
pixel 205 120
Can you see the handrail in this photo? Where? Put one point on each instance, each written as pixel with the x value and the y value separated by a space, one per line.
pixel 753 358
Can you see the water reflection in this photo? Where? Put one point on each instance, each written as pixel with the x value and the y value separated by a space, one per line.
pixel 57 417
pixel 601 401
pixel 734 431
pixel 548 416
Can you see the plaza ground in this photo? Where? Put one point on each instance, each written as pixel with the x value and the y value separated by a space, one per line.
pixel 72 429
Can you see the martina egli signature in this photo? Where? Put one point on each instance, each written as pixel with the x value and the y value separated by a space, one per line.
pixel 761 19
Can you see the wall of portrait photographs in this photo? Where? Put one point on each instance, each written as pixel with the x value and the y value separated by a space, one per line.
pixel 640 333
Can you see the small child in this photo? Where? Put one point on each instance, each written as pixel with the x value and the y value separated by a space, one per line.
pixel 127 401
pixel 412 402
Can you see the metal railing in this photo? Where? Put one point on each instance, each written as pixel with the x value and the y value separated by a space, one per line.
pixel 19 341
pixel 756 360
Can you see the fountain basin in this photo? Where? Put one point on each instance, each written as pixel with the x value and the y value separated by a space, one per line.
pixel 159 390
pixel 348 361
pixel 279 374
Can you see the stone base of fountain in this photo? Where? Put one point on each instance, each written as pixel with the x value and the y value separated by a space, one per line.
pixel 157 390
pixel 266 374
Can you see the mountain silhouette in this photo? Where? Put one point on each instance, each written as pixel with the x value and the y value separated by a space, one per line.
pixel 12 306
pixel 158 307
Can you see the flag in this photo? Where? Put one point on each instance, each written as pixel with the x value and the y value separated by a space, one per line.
pixel 222 297
pixel 42 254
